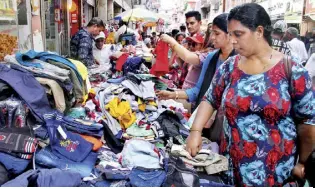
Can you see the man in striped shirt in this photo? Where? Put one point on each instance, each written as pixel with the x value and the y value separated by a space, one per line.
pixel 81 44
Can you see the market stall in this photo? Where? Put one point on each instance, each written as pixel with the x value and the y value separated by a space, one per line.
pixel 97 127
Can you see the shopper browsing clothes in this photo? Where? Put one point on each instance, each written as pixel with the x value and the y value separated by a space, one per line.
pixel 81 44
pixel 102 52
pixel 262 103
pixel 213 60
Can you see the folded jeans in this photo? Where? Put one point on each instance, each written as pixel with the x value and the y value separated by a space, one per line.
pixel 142 177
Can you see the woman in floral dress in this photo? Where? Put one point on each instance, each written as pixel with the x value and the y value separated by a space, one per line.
pixel 261 104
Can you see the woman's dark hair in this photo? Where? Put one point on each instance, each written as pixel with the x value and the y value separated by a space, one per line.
pixel 221 22
pixel 179 34
pixel 252 15
pixel 207 42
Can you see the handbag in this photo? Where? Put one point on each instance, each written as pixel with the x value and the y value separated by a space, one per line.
pixel 309 173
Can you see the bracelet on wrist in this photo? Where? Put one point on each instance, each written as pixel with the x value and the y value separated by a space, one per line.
pixel 195 130
pixel 173 46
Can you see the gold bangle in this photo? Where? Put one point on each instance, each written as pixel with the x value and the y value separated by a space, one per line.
pixel 173 46
pixel 195 130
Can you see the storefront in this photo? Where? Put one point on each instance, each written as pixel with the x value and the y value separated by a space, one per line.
pixel 308 25
pixel 294 13
pixel 88 11
pixel 216 9
pixel 56 25
pixel 8 28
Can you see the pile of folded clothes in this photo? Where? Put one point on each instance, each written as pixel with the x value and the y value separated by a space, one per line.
pixel 115 134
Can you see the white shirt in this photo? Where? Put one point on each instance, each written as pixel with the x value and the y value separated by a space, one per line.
pixel 298 49
pixel 102 56
pixel 122 30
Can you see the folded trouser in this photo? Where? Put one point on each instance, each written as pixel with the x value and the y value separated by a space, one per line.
pixel 4 175
pixel 83 127
pixel 98 133
pixel 70 145
pixel 57 91
pixel 13 164
pixel 45 178
pixel 116 174
pixel 28 89
pixel 17 143
pixel 142 177
pixel 207 183
pixel 46 158
pixel 178 175
pixel 212 162
pixel 81 124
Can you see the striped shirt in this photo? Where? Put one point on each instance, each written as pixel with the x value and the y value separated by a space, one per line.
pixel 81 47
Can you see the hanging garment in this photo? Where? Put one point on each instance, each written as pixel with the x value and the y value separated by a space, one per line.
pixel 161 65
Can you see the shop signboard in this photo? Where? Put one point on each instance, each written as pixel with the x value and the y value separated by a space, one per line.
pixel 8 10
pixel 277 8
pixel 294 9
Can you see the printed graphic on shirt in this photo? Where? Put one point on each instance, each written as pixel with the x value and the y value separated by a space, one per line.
pixel 70 145
pixel 280 46
pixel 2 137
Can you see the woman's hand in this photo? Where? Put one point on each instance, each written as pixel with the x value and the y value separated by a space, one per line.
pixel 194 143
pixel 165 95
pixel 168 39
pixel 298 171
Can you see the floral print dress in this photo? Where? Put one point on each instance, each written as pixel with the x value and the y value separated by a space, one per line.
pixel 259 135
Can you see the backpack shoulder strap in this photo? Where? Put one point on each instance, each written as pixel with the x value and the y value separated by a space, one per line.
pixel 287 67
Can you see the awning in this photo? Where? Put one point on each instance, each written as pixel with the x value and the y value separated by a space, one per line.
pixel 311 16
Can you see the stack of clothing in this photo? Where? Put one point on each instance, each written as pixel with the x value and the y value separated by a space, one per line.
pixel 121 135
pixel 65 80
